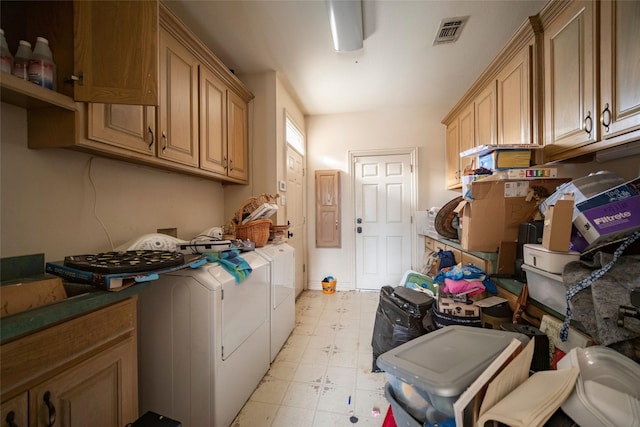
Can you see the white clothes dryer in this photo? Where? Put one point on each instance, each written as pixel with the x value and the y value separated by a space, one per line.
pixel 282 301
pixel 203 342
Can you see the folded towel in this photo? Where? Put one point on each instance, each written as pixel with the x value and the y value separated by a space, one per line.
pixel 232 262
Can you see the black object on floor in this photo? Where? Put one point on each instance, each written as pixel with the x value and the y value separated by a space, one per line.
pixel 398 319
pixel 151 419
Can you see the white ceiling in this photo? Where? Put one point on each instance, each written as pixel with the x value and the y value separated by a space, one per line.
pixel 399 67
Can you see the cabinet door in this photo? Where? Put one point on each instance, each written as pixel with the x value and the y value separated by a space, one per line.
pixel 484 264
pixel 100 392
pixel 485 116
pixel 514 100
pixel 570 89
pixel 620 68
pixel 213 123
pixel 127 126
pixel 15 411
pixel 453 154
pixel 328 230
pixel 178 117
pixel 116 51
pixel 238 145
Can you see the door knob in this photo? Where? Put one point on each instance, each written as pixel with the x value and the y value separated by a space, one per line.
pixel 289 234
pixel 359 229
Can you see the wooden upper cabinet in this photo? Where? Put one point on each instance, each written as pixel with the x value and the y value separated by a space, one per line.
pixel 570 86
pixel 131 127
pixel 514 89
pixel 178 132
pixel 213 126
pixel 238 139
pixel 460 137
pixel 116 51
pixel 328 227
pixel 619 111
pixel 486 122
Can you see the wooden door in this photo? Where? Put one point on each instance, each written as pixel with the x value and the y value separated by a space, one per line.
pixel 514 100
pixel 485 116
pixel 238 140
pixel 296 213
pixel 619 67
pixel 383 189
pixel 328 202
pixel 467 138
pixel 15 410
pixel 570 70
pixel 178 118
pixel 132 127
pixel 213 123
pixel 453 154
pixel 116 51
pixel 100 392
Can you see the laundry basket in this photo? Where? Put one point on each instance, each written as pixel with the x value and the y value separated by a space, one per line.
pixel 257 231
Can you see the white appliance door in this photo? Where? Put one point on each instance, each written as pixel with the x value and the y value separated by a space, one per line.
pixel 244 305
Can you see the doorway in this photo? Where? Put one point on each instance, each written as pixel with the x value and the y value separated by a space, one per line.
pixel 384 197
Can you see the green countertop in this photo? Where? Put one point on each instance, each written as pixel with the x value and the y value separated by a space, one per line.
pixel 88 299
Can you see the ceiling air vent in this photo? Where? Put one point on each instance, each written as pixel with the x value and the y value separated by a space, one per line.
pixel 450 30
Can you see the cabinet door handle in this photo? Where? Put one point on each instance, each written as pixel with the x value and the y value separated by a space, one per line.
pixel 10 419
pixel 150 137
pixel 50 407
pixel 606 111
pixel 588 123
pixel 164 141
pixel 73 79
pixel 230 164
pixel 225 163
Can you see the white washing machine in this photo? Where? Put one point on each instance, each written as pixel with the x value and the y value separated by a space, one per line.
pixel 204 342
pixel 282 301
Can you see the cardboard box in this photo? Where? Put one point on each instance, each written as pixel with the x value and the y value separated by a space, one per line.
pixel 605 224
pixel 556 234
pixel 29 294
pixel 505 159
pixel 497 209
pixel 530 173
pixel 621 192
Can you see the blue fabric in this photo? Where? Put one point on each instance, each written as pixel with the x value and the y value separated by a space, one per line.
pixel 467 272
pixel 232 262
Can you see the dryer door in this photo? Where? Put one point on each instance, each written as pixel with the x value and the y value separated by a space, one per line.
pixel 245 305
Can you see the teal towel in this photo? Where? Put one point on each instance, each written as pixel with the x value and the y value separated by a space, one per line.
pixel 232 262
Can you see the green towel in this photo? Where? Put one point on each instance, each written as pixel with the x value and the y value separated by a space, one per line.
pixel 232 262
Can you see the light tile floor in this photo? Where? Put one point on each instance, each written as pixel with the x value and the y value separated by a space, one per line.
pixel 326 359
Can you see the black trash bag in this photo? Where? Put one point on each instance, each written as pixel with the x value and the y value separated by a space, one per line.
pixel 398 319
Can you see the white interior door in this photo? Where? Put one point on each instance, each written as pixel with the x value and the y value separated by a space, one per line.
pixel 383 219
pixel 295 202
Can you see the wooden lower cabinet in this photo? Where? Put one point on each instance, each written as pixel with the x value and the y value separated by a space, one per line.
pixel 434 245
pixel 82 372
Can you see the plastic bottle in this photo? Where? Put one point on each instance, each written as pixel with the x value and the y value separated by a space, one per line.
pixel 42 69
pixel 6 59
pixel 21 60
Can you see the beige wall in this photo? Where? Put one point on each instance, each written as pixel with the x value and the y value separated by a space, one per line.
pixel 331 137
pixel 48 198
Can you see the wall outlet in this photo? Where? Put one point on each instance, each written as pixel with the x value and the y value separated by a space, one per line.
pixel 173 232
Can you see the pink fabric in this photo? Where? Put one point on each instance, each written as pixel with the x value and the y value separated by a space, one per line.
pixel 458 286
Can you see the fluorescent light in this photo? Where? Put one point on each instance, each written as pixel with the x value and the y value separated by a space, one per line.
pixel 345 19
pixel 625 150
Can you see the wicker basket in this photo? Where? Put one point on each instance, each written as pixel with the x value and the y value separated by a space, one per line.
pixel 255 231
pixel 252 203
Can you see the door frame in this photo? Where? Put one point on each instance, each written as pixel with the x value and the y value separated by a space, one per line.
pixel 350 208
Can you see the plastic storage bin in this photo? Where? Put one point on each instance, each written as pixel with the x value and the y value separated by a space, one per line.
pixel 546 288
pixel 443 363
pixel 544 259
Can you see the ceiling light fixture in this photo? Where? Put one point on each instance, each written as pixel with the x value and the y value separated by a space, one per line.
pixel 345 19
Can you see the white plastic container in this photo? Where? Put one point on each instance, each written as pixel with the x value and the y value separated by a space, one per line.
pixel 607 392
pixel 540 257
pixel 42 69
pixel 21 60
pixel 546 288
pixel 6 59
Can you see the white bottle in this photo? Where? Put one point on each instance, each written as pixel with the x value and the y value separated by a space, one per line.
pixel 6 59
pixel 42 69
pixel 21 60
